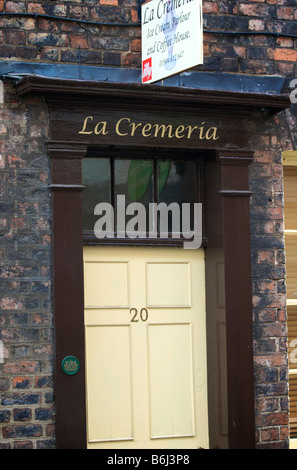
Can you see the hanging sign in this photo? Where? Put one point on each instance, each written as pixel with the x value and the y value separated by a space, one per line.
pixel 172 37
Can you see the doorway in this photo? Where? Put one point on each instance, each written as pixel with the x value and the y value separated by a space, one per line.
pixel 145 330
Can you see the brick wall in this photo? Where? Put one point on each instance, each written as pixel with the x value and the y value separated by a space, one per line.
pixel 26 382
pixel 57 41
pixel 254 53
pixel 269 290
pixel 27 413
pixel 47 40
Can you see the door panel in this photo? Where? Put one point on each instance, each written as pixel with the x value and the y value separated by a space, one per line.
pixel 216 347
pixel 102 294
pixel 103 387
pixel 145 347
pixel 168 284
pixel 171 386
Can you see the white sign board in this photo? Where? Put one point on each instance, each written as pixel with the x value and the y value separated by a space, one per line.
pixel 172 37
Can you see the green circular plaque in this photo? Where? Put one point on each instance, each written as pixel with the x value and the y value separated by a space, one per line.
pixel 70 365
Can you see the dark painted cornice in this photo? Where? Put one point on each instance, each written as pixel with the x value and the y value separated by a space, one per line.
pixel 65 91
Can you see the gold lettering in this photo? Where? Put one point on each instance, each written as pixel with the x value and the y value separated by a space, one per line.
pixel 103 130
pixel 83 131
pixel 134 127
pixel 164 128
pixel 179 130
pixel 156 130
pixel 213 134
pixel 191 129
pixel 146 130
pixel 118 125
pixel 201 136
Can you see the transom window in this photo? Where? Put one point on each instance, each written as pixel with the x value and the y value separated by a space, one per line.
pixel 144 176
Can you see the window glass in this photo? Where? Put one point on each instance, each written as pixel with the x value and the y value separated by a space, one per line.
pixel 134 180
pixel 97 179
pixel 176 181
pixel 176 184
pixel 123 181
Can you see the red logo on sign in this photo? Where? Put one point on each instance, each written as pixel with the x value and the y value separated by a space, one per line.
pixel 147 70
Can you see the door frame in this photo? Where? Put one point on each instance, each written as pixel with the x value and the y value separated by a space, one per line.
pixel 228 211
pixel 227 222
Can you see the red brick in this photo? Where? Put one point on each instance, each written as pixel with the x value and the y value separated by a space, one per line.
pixel 281 314
pixel 267 286
pixel 21 382
pixel 275 213
pixel 256 25
pixel 266 256
pixel 36 8
pixel 60 10
pixel 273 360
pixel 78 42
pixel 8 303
pixel 50 430
pixel 211 38
pixel 16 37
pixel 284 432
pixel 109 2
pixel 269 434
pixel 285 13
pixel 264 405
pixel 15 161
pixel 134 16
pixel 286 68
pixel 49 53
pixel 23 445
pixel 47 25
pixel 266 315
pixel 131 59
pixel 206 49
pixel 78 12
pixel 22 414
pixel 272 419
pixel 263 156
pixel 16 367
pixel 48 39
pixel 135 45
pixel 15 7
pixel 284 54
pixel 274 330
pixel 285 42
pixel 253 10
pixel 240 51
pixel 210 7
pixel 18 223
pixel 25 430
pixel 4 384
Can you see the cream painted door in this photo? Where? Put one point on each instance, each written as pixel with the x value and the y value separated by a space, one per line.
pixel 145 348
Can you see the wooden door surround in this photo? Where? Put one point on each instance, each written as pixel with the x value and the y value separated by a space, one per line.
pixel 86 114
